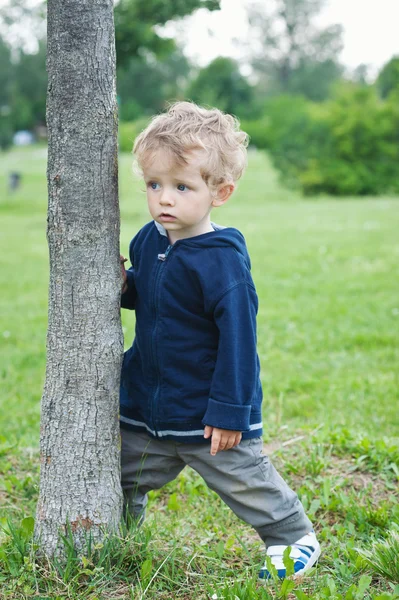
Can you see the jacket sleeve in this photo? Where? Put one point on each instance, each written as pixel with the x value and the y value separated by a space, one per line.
pixel 128 299
pixel 236 370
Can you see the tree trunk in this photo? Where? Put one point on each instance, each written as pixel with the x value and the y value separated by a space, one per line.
pixel 79 482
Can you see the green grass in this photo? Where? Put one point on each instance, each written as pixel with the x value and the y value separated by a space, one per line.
pixel 326 271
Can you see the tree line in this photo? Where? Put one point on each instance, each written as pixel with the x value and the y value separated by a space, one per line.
pixel 295 97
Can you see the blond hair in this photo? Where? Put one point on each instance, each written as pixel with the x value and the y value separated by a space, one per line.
pixel 186 127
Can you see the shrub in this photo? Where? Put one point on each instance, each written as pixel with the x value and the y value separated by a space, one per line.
pixel 361 152
pixel 128 131
pixel 346 146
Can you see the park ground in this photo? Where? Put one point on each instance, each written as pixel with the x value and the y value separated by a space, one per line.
pixel 327 275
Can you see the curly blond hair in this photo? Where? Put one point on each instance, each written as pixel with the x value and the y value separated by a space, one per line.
pixel 186 127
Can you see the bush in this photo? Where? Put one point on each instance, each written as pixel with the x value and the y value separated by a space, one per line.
pixel 346 146
pixel 360 155
pixel 258 131
pixel 280 114
pixel 128 131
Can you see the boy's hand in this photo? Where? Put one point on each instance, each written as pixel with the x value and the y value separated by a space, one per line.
pixel 122 261
pixel 222 439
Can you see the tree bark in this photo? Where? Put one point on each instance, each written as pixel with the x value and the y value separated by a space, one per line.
pixel 79 481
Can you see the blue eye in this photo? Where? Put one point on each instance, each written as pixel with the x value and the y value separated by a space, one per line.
pixel 153 185
pixel 181 187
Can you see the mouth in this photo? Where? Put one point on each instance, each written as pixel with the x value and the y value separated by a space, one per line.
pixel 166 217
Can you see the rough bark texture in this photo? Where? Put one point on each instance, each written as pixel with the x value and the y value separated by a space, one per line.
pixel 79 483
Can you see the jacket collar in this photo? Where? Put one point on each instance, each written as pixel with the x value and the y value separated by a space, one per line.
pixel 162 229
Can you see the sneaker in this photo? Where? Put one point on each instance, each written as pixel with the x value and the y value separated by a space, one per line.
pixel 304 553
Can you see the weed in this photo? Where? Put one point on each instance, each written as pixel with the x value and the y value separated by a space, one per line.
pixel 383 556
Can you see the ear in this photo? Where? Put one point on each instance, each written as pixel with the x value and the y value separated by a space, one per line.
pixel 223 193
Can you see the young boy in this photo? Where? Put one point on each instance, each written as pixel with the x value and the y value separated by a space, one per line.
pixel 190 387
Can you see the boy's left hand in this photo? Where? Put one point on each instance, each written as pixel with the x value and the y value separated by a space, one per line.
pixel 122 260
pixel 222 439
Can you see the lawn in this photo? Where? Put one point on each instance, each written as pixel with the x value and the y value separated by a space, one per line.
pixel 327 275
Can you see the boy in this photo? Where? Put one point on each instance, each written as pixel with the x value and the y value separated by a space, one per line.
pixel 190 387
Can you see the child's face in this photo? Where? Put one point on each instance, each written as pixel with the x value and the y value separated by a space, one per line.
pixel 178 197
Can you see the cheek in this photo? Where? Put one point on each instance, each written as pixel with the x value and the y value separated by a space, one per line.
pixel 150 201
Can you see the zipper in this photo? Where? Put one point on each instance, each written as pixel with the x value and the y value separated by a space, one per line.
pixel 162 258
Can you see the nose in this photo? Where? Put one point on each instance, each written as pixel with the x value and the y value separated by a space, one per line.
pixel 167 198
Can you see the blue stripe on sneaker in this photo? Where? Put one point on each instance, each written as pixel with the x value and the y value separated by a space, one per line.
pixel 308 553
pixel 298 566
pixel 281 573
pixel 304 558
pixel 264 574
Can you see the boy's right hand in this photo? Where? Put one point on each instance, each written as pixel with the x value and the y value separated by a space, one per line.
pixel 122 261
pixel 222 439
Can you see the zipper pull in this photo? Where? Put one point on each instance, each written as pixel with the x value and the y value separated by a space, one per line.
pixel 163 257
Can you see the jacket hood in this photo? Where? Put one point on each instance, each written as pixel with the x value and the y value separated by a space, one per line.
pixel 221 237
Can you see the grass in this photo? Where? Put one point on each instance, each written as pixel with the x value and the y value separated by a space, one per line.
pixel 326 271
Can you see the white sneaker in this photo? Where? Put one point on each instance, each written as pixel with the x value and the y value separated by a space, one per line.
pixel 305 553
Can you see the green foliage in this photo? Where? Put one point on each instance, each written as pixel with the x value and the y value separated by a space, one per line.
pixel 383 556
pixel 283 130
pixel 314 79
pixel 151 69
pixel 6 71
pixel 23 78
pixel 119 558
pixel 346 146
pixel 135 21
pixel 359 154
pixel 258 131
pixel 23 85
pixel 6 132
pixel 28 101
pixel 128 133
pixel 221 84
pixel 145 84
pixel 388 78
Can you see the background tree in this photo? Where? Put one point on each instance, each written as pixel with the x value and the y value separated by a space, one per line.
pixel 136 20
pixel 79 481
pixel 221 84
pixel 360 74
pixel 388 78
pixel 23 83
pixel 145 83
pixel 313 79
pixel 29 83
pixel 6 129
pixel 290 53
pixel 151 69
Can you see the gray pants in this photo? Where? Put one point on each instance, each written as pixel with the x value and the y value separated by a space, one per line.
pixel 243 477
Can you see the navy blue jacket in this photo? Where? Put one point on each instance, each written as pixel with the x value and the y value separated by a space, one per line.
pixel 193 361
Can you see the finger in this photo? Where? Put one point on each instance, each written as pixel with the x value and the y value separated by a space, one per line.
pixel 223 443
pixel 237 439
pixel 208 431
pixel 233 441
pixel 215 443
pixel 230 443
